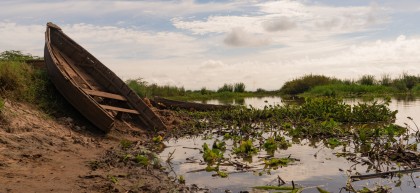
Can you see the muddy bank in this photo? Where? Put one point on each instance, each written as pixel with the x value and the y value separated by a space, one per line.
pixel 39 153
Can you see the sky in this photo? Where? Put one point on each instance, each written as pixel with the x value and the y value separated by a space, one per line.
pixel 202 43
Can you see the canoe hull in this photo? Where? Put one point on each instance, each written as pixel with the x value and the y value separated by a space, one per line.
pixel 93 89
pixel 83 103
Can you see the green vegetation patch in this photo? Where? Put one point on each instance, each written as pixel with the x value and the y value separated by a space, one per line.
pixel 348 90
pixel 305 83
pixel 246 148
pixel 22 82
pixel 211 156
pixel 366 85
pixel 276 162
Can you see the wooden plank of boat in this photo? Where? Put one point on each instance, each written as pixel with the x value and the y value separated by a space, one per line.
pixel 89 85
pixel 104 94
pixel 123 110
pixel 189 105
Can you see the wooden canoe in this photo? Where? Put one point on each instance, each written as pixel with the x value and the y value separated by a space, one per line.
pixel 189 105
pixel 94 90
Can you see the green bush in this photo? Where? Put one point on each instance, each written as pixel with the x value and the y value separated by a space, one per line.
pixel 416 89
pixel 367 80
pixel 226 88
pixel 204 91
pixel 21 82
pixel 409 80
pixel 239 87
pixel 144 89
pixel 348 90
pixel 14 55
pixel 305 83
pixel 386 80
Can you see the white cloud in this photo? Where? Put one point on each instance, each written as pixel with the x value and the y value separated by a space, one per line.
pixel 107 41
pixel 26 38
pixel 239 37
pixel 187 46
pixel 288 22
pixel 97 9
pixel 278 24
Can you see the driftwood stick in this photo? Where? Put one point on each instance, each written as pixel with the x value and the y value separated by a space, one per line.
pixel 195 148
pixel 194 171
pixel 382 174
pixel 234 172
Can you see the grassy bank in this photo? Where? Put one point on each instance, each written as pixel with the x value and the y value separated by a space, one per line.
pixel 367 85
pixel 22 82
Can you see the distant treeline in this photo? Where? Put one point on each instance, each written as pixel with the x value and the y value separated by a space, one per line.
pixel 320 85
pixel 145 89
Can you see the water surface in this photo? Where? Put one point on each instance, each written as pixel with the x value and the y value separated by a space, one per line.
pixel 317 165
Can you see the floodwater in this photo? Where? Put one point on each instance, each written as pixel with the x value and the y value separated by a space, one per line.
pixel 317 165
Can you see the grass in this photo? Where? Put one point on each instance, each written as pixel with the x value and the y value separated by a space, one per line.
pixel 305 83
pixel 348 90
pixel 366 85
pixel 145 89
pixel 22 82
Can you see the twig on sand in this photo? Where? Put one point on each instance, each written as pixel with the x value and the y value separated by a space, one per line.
pixel 382 174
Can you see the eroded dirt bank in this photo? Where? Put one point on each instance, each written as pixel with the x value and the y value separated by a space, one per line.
pixel 39 153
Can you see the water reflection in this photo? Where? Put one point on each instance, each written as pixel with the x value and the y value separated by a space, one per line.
pixel 318 165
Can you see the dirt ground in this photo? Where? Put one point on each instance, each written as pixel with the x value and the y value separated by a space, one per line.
pixel 39 153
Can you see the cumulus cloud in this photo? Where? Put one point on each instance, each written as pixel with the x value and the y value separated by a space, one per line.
pixel 301 20
pixel 27 38
pixel 189 44
pixel 278 24
pixel 239 37
pixel 90 9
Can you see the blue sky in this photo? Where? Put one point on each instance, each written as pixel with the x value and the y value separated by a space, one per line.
pixel 207 43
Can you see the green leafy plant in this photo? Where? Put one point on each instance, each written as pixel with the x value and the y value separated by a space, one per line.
pixel 276 162
pixel 333 143
pixel 222 174
pixel 157 139
pixel 142 159
pixel 246 148
pixel 270 145
pixel 211 156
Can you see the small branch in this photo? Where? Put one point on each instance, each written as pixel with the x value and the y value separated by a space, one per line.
pixel 382 174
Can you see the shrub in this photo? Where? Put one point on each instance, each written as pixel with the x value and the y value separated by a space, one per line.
pixel 226 88
pixel 409 81
pixel 305 83
pixel 386 80
pixel 367 80
pixel 144 89
pixel 14 55
pixel 239 87
pixel 21 82
pixel 261 90
pixel 204 91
